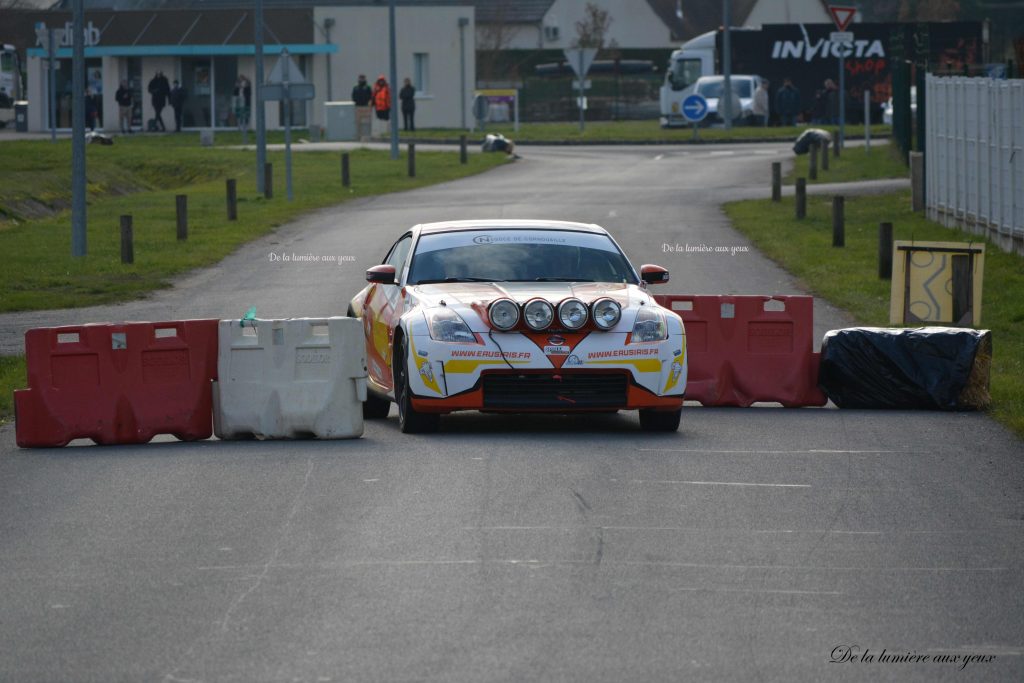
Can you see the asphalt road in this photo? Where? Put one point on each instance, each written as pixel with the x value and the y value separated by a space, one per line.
pixel 747 546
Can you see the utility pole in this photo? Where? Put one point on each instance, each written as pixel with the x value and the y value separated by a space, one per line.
pixel 394 80
pixel 725 101
pixel 463 23
pixel 261 122
pixel 78 235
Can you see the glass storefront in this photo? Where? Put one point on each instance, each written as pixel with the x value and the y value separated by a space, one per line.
pixel 93 86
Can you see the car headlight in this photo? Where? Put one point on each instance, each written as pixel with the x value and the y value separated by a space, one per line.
pixel 447 326
pixel 572 313
pixel 606 313
pixel 503 314
pixel 650 325
pixel 538 314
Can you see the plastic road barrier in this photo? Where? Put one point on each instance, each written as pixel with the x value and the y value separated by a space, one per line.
pixel 748 349
pixel 117 383
pixel 295 378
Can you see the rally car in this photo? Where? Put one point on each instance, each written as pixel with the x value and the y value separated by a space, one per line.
pixel 517 316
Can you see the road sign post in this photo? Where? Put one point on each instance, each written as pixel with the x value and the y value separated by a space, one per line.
pixel 842 15
pixel 287 83
pixel 695 108
pixel 580 59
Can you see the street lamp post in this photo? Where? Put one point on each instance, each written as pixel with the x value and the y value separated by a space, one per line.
pixel 261 122
pixel 78 235
pixel 725 101
pixel 463 22
pixel 394 79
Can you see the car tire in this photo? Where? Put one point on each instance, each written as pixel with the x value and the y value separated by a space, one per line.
pixel 375 408
pixel 660 420
pixel 410 421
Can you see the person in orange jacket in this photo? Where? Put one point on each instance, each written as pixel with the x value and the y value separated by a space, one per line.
pixel 382 98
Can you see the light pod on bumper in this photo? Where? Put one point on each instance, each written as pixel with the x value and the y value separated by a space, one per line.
pixel 572 313
pixel 538 314
pixel 503 314
pixel 606 313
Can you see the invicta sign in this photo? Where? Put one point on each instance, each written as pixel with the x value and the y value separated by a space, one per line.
pixel 826 49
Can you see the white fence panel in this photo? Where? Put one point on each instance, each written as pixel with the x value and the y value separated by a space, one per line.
pixel 975 164
pixel 281 379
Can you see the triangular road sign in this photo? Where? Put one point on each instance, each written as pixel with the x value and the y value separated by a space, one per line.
pixel 286 70
pixel 842 15
pixel 580 59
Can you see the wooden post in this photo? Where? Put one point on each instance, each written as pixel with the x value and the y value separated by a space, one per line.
pixel 885 251
pixel 346 178
pixel 812 162
pixel 824 155
pixel 801 197
pixel 181 209
pixel 776 181
pixel 268 180
pixel 917 181
pixel 838 221
pixel 412 160
pixel 836 146
pixel 463 155
pixel 232 197
pixel 127 243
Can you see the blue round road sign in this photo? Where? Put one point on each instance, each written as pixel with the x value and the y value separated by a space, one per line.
pixel 695 108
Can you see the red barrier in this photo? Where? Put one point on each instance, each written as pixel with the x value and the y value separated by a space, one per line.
pixel 745 349
pixel 117 383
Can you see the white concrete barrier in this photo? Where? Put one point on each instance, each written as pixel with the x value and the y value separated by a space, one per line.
pixel 295 378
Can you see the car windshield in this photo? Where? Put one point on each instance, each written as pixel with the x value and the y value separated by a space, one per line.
pixel 714 88
pixel 683 72
pixel 511 255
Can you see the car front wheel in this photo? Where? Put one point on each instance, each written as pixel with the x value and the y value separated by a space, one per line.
pixel 660 420
pixel 410 421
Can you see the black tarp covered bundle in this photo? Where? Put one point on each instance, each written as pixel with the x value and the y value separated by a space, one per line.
pixel 809 137
pixel 934 368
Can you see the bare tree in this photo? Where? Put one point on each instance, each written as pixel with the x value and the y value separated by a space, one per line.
pixel 493 38
pixel 591 31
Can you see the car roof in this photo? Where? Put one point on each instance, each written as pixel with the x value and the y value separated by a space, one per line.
pixel 508 224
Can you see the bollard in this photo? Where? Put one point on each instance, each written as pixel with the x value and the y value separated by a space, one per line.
pixel 835 147
pixel 181 205
pixel 801 197
pixel 838 222
pixel 776 181
pixel 885 251
pixel 463 155
pixel 346 178
pixel 127 243
pixel 812 161
pixel 824 155
pixel 917 181
pixel 268 180
pixel 232 192
pixel 412 160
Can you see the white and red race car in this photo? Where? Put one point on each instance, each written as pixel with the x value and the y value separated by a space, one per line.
pixel 517 316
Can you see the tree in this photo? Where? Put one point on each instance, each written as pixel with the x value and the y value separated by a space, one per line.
pixel 591 31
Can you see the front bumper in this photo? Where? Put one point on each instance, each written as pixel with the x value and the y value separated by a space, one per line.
pixel 511 372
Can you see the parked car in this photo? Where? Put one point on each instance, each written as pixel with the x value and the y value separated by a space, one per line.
pixel 743 87
pixel 887 111
pixel 517 316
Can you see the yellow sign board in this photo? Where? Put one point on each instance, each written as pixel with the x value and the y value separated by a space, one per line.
pixel 936 282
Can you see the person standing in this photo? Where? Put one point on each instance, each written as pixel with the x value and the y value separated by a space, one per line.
pixel 787 103
pixel 159 90
pixel 124 99
pixel 177 99
pixel 361 92
pixel 242 96
pixel 408 97
pixel 91 110
pixel 382 98
pixel 760 107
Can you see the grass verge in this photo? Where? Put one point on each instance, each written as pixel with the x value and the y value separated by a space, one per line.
pixel 855 163
pixel 848 278
pixel 12 376
pixel 140 176
pixel 622 131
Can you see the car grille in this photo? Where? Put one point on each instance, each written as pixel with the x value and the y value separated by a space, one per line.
pixel 568 391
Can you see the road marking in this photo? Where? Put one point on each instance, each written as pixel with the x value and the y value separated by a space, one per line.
pixel 769 152
pixel 730 530
pixel 659 157
pixel 722 153
pixel 718 483
pixel 823 451
pixel 755 590
pixel 367 481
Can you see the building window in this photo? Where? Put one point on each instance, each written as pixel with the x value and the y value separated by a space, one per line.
pixel 421 72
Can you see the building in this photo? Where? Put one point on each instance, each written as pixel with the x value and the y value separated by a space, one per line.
pixel 207 44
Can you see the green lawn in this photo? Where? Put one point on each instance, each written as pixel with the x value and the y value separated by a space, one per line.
pixel 624 131
pixel 883 160
pixel 12 376
pixel 848 277
pixel 140 176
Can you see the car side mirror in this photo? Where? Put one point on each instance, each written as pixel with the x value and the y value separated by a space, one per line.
pixel 653 275
pixel 383 275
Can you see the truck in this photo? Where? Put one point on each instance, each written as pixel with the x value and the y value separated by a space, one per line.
pixel 10 82
pixel 805 54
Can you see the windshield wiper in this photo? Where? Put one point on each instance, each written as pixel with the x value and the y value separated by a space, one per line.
pixel 557 279
pixel 458 279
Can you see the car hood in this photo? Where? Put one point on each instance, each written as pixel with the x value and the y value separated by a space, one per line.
pixel 476 296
